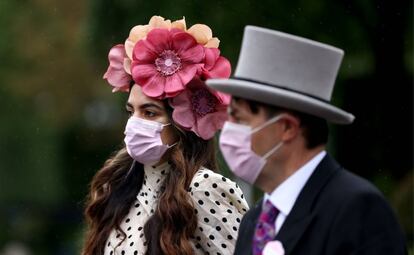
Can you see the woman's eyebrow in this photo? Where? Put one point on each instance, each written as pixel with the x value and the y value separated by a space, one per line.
pixel 148 105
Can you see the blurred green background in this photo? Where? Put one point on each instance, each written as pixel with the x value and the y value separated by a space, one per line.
pixel 60 121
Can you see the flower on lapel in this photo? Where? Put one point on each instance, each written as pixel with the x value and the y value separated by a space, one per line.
pixel 273 248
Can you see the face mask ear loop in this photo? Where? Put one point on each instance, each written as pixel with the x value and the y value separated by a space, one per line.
pixel 269 153
pixel 270 121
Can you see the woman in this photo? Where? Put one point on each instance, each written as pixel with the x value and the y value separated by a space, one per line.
pixel 159 195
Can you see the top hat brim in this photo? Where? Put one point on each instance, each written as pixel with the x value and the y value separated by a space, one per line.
pixel 282 98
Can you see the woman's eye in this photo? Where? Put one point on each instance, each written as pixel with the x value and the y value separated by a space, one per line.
pixel 129 112
pixel 149 114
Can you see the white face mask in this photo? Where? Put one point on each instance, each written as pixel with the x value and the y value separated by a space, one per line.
pixel 143 140
pixel 235 144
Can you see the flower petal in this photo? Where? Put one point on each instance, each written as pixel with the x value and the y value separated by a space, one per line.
pixel 173 85
pixel 159 39
pixel 211 56
pixel 180 24
pixel 138 32
pixel 193 55
pixel 187 74
pixel 221 69
pixel 208 125
pixel 202 33
pixel 159 22
pixel 212 43
pixel 143 52
pixel 127 65
pixel 182 113
pixel 142 73
pixel 154 87
pixel 182 41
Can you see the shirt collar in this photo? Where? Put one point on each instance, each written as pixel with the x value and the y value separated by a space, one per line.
pixel 285 195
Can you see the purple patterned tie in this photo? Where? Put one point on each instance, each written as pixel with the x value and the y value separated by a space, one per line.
pixel 265 227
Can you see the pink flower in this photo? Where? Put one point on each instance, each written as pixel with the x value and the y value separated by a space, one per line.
pixel 273 248
pixel 215 66
pixel 200 109
pixel 164 62
pixel 116 74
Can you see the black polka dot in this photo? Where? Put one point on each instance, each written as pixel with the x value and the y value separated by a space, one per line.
pixel 112 252
pixel 129 237
pixel 218 228
pixel 218 253
pixel 214 185
pixel 201 229
pixel 212 211
pixel 238 220
pixel 146 202
pixel 231 191
pixel 109 244
pixel 136 205
pixel 229 237
pixel 127 220
pixel 196 184
pixel 195 210
pixel 198 246
pixel 139 213
pixel 140 228
pixel 235 228
pixel 211 237
pixel 217 203
pixel 224 219
pixel 129 228
pixel 135 252
pixel 122 252
pixel 223 194
pixel 207 193
pixel 200 202
pixel 206 220
pixel 118 235
pixel 229 211
pixel 152 210
pixel 145 243
pixel 205 175
pixel 141 235
pixel 242 196
pixel 132 243
pixel 224 179
pixel 198 238
pixel 223 245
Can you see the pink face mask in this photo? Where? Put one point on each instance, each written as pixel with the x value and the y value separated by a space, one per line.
pixel 235 144
pixel 143 140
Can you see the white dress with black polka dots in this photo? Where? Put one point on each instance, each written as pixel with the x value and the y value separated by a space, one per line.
pixel 218 202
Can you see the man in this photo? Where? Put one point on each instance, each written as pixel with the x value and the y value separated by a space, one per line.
pixel 276 139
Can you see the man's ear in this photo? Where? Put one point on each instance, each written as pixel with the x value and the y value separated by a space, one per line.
pixel 291 127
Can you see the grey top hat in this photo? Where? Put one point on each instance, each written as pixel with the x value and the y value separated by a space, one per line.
pixel 286 71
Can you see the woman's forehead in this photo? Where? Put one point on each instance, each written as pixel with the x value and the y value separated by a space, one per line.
pixel 137 98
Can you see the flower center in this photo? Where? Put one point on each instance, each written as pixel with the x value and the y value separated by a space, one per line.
pixel 203 102
pixel 168 63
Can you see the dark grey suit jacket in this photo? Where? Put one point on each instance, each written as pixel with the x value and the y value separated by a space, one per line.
pixel 336 213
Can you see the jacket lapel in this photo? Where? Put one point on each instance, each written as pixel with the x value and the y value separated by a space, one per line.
pixel 301 215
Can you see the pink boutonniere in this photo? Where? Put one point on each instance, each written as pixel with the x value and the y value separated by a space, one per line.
pixel 274 248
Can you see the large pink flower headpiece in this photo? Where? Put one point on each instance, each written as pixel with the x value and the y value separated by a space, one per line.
pixel 172 62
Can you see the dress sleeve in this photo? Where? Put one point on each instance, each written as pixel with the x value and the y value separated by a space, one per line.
pixel 220 205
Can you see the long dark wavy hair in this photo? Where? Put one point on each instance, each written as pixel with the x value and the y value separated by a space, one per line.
pixel 114 188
